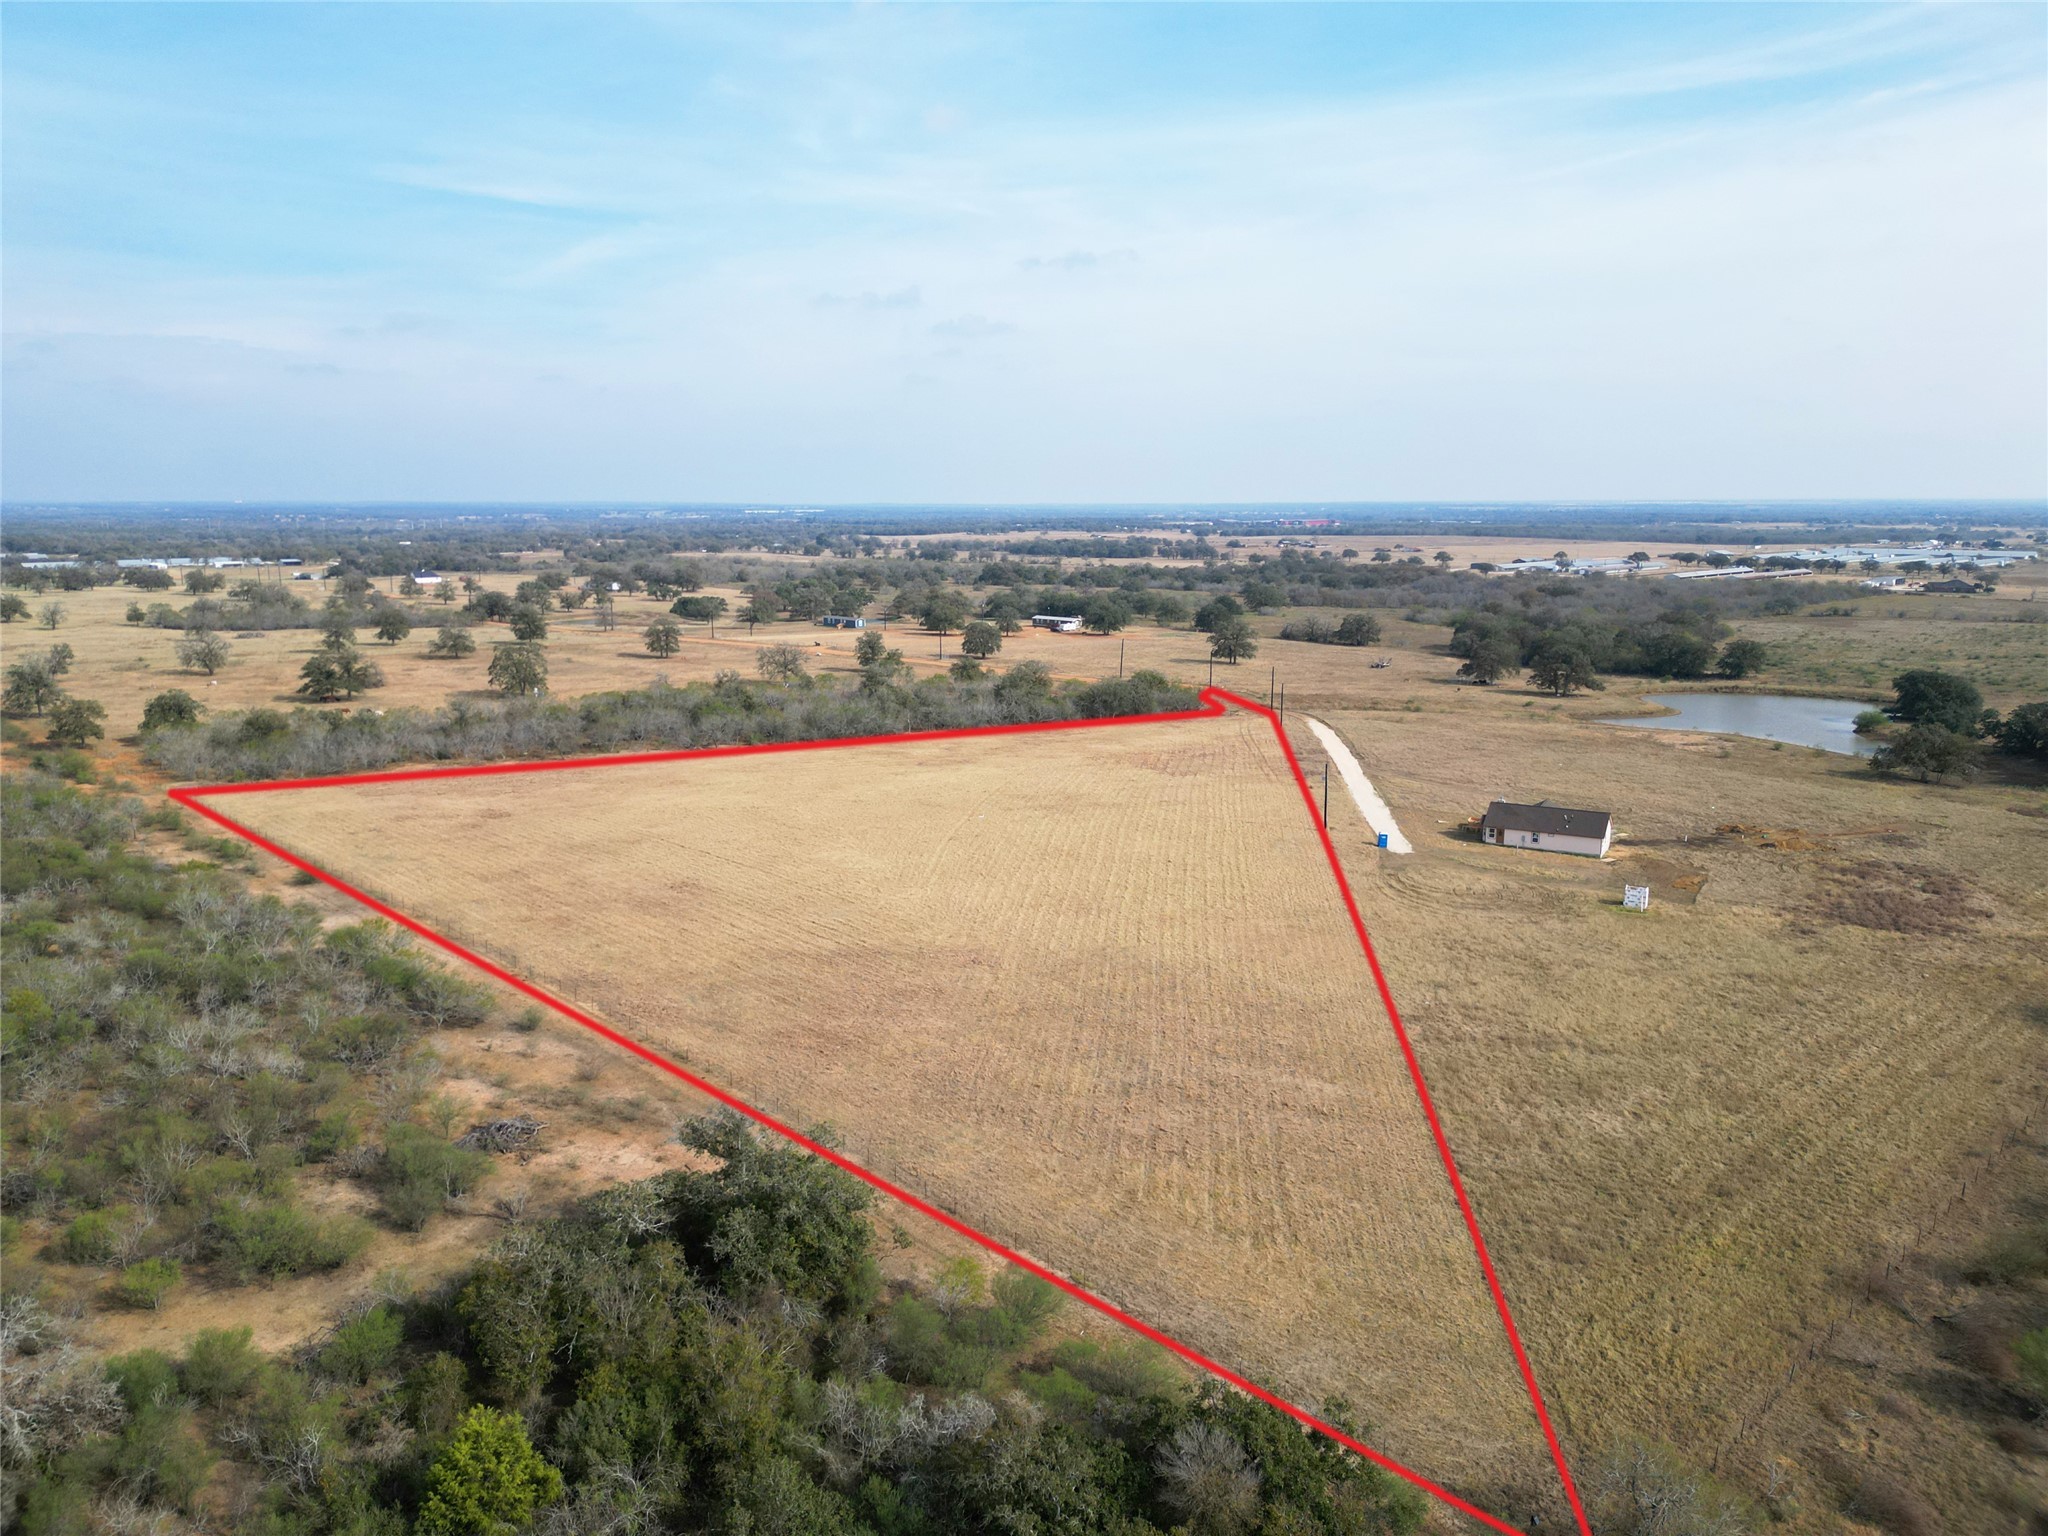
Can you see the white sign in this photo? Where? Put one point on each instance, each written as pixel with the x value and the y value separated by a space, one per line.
pixel 1636 897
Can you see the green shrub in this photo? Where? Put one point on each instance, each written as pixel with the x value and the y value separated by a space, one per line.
pixel 1059 1392
pixel 146 1284
pixel 363 1347
pixel 436 1394
pixel 280 1239
pixel 928 1348
pixel 160 1457
pixel 420 1173
pixel 145 1376
pixel 2013 1258
pixel 220 1365
pixel 2031 1355
pixel 91 1238
pixel 59 1505
pixel 332 1134
pixel 74 766
pixel 1126 1368
pixel 1027 1302
pixel 488 1479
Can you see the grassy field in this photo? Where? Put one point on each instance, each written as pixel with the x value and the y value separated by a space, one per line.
pixel 2000 642
pixel 1690 1135
pixel 1094 992
pixel 1691 1132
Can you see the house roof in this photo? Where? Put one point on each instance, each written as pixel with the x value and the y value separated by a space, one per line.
pixel 1557 820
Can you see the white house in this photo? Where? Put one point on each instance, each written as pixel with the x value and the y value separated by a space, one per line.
pixel 1552 828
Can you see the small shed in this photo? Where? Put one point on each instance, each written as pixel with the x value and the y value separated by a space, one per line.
pixel 1554 828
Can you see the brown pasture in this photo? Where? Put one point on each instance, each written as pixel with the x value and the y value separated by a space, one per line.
pixel 1094 992
pixel 1690 1133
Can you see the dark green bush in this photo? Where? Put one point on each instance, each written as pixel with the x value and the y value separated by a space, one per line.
pixel 421 1172
pixel 147 1283
pixel 364 1346
pixel 91 1238
pixel 145 1376
pixel 220 1365
pixel 278 1239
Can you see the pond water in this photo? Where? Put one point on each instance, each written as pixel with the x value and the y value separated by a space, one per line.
pixel 1829 724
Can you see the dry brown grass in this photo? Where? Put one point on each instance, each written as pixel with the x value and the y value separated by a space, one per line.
pixel 1094 992
pixel 1686 1131
pixel 1689 1134
pixel 124 665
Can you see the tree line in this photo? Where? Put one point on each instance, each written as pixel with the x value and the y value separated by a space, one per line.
pixel 1565 652
pixel 701 1352
pixel 1947 729
pixel 267 743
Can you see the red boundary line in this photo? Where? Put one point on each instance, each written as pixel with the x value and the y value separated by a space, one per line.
pixel 1214 701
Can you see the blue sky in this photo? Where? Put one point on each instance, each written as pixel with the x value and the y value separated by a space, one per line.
pixel 1047 253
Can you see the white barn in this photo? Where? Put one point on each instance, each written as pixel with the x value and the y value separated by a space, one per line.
pixel 1553 828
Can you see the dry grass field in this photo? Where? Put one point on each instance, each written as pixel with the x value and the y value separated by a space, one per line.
pixel 1690 1133
pixel 124 665
pixel 1094 992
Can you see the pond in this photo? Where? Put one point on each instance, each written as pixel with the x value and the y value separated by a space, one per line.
pixel 1829 724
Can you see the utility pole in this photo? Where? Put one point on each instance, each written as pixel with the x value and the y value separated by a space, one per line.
pixel 1119 661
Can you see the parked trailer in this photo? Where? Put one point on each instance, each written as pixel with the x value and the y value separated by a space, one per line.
pixel 1058 623
pixel 841 621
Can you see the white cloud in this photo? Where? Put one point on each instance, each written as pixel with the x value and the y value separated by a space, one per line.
pixel 1471 291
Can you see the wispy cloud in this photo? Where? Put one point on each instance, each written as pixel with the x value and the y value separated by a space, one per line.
pixel 1076 261
pixel 1134 254
pixel 972 328
pixel 900 298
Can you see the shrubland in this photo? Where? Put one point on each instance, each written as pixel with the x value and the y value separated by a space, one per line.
pixel 264 743
pixel 180 1053
pixel 705 1351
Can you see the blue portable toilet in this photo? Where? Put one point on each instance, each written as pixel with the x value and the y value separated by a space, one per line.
pixel 1383 840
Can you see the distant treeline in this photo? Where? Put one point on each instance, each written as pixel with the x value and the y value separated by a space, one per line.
pixel 480 537
pixel 271 744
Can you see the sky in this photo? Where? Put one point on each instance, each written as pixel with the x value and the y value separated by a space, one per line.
pixel 1057 253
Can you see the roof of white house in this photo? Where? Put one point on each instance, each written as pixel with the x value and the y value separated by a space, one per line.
pixel 1557 820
